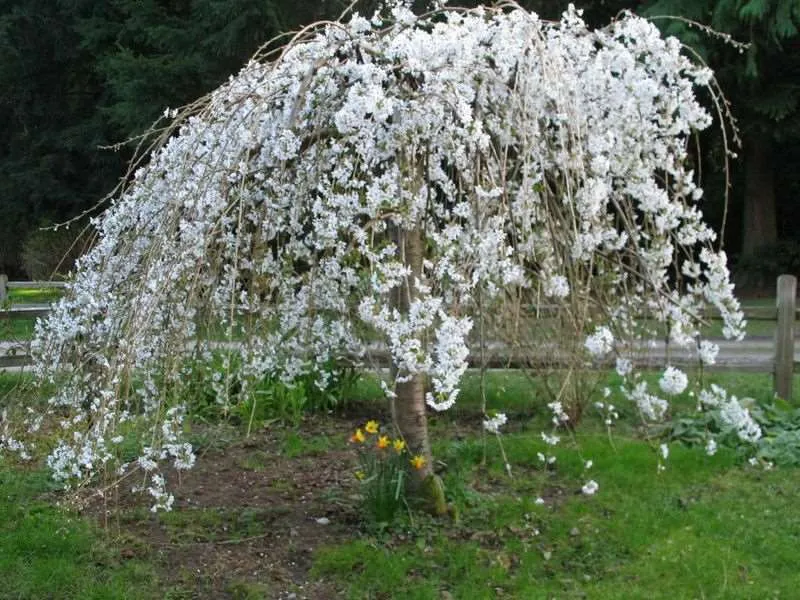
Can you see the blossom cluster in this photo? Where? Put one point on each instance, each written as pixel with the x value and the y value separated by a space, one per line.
pixel 732 413
pixel 494 422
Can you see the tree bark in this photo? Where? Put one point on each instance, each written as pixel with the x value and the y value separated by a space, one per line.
pixel 760 222
pixel 408 407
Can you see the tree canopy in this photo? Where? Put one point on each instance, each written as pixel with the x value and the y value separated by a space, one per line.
pixel 393 178
pixel 81 77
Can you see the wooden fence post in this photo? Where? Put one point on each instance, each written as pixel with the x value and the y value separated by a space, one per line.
pixel 784 336
pixel 3 288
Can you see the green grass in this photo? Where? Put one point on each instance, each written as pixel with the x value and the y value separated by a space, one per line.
pixel 505 390
pixel 10 382
pixel 49 553
pixel 704 528
pixel 34 295
pixel 707 527
pixel 213 524
pixel 515 392
pixel 17 329
pixel 22 329
pixel 16 391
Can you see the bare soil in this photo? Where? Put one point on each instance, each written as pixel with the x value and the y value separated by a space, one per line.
pixel 246 518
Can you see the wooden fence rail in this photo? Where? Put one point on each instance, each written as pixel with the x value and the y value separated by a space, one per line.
pixel 781 362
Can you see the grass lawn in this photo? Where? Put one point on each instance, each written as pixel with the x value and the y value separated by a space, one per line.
pixel 48 553
pixel 34 295
pixel 279 513
pixel 22 329
pixel 702 529
pixel 758 325
pixel 16 329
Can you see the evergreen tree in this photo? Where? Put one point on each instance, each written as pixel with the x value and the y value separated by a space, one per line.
pixel 50 163
pixel 78 76
pixel 154 54
pixel 761 83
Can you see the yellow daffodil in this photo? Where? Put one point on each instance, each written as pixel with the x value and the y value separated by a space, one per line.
pixel 418 462
pixel 358 437
pixel 371 427
pixel 383 442
pixel 399 446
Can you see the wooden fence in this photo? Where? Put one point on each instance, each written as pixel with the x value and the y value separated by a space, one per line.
pixel 15 354
pixel 781 364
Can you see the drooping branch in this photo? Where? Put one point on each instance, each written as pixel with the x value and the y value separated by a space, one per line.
pixel 374 181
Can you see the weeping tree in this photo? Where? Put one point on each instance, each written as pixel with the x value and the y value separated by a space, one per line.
pixel 420 182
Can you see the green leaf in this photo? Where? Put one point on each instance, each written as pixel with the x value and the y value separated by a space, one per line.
pixel 787 16
pixel 754 11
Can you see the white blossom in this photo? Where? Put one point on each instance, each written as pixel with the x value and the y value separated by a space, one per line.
pixel 556 286
pixel 559 416
pixel 493 424
pixel 713 396
pixel 590 487
pixel 624 366
pixel 550 440
pixel 600 343
pixel 651 407
pixel 736 416
pixel 673 381
pixel 708 351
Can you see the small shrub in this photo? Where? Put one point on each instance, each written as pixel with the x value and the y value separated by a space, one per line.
pixel 48 253
pixel 215 391
pixel 778 444
pixel 759 270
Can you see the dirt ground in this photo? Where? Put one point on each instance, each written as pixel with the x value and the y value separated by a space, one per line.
pixel 247 517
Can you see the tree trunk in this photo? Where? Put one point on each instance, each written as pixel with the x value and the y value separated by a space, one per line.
pixel 760 222
pixel 408 407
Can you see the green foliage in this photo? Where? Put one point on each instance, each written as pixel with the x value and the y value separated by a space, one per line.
pixel 78 76
pixel 215 391
pixel 755 80
pixel 760 269
pixel 781 424
pixel 50 130
pixel 779 421
pixel 759 81
pixel 273 400
pixel 383 489
pixel 50 254
pixel 152 55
